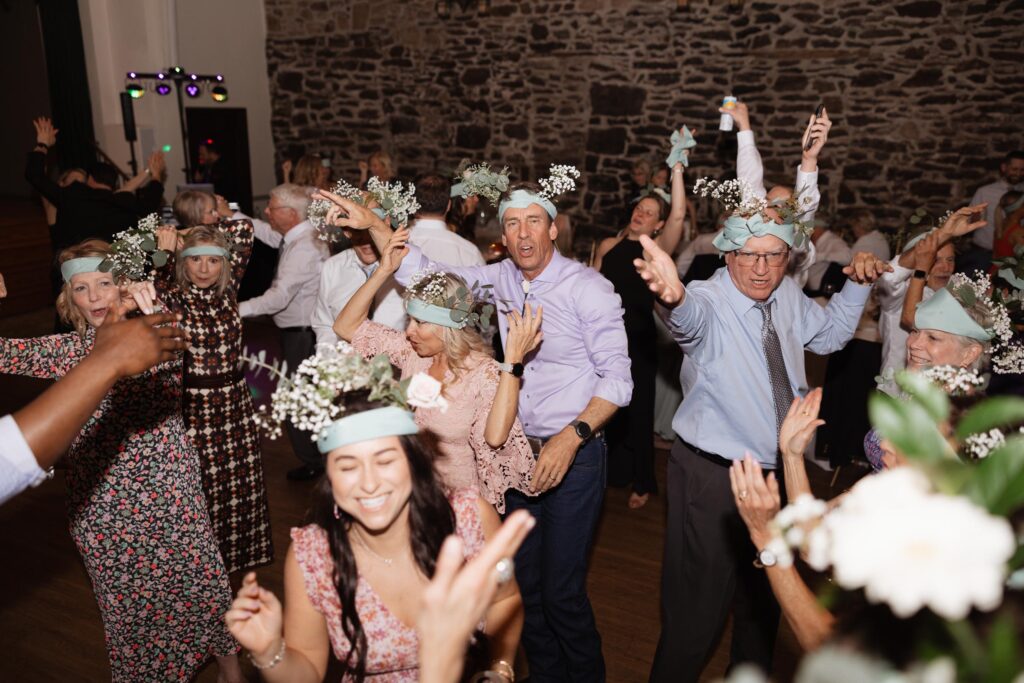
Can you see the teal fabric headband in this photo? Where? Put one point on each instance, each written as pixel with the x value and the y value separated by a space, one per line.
pixel 369 424
pixel 738 230
pixel 911 242
pixel 652 190
pixel 429 313
pixel 943 312
pixel 1011 277
pixel 205 250
pixel 76 266
pixel 521 199
pixel 680 143
pixel 381 213
pixel 458 190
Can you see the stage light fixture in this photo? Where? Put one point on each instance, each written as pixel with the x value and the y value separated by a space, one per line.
pixel 163 89
pixel 193 90
pixel 136 90
pixel 219 93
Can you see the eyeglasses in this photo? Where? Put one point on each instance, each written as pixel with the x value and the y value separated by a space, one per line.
pixel 749 258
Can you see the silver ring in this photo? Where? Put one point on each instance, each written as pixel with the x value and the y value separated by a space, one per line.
pixel 505 569
pixel 743 495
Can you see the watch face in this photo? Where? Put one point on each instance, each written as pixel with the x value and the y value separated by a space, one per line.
pixel 517 369
pixel 767 558
pixel 583 430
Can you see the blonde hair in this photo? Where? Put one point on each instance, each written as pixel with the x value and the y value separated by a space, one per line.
pixel 66 308
pixel 459 345
pixel 385 159
pixel 307 171
pixel 189 207
pixel 205 234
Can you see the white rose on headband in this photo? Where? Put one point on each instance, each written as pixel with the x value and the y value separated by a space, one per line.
pixel 425 392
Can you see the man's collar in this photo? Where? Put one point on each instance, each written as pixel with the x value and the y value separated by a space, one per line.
pixel 429 224
pixel 297 231
pixel 740 302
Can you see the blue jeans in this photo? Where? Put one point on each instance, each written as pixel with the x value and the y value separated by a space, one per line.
pixel 560 635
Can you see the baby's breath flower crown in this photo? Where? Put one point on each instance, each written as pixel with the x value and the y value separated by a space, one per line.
pixel 561 179
pixel 472 305
pixel 480 181
pixel 1007 355
pixel 134 250
pixel 396 201
pixel 737 197
pixel 307 398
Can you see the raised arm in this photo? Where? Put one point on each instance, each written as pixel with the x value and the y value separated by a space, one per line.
pixel 813 141
pixel 357 310
pixel 35 165
pixel 749 167
pixel 795 434
pixel 670 235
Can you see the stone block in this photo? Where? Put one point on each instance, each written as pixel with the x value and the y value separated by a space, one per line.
pixel 472 136
pixel 617 100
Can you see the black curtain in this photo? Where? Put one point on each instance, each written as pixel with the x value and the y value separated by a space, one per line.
pixel 69 84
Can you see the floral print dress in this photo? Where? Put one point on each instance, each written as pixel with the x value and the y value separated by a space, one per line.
pixel 217 407
pixel 392 646
pixel 137 514
pixel 467 460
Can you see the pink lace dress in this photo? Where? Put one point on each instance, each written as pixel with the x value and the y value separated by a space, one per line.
pixel 466 461
pixel 392 646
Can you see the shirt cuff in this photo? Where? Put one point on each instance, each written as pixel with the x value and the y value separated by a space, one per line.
pixel 18 454
pixel 745 138
pixel 244 310
pixel 614 390
pixel 682 316
pixel 899 273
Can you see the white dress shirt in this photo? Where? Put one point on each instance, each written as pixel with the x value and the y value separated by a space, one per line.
pixel 830 248
pixel 750 170
pixel 891 289
pixel 18 466
pixel 440 244
pixel 991 193
pixel 292 295
pixel 341 276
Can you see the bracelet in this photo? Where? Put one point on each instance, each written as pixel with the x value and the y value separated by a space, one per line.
pixel 504 669
pixel 273 662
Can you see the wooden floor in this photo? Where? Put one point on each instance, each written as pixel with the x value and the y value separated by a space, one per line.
pixel 50 625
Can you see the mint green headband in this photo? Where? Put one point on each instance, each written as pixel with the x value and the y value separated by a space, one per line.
pixel 205 250
pixel 429 313
pixel 944 313
pixel 76 266
pixel 917 238
pixel 521 199
pixel 458 190
pixel 738 230
pixel 369 424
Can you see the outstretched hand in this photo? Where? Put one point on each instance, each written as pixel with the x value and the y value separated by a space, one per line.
pixel 256 620
pixel 865 268
pixel 135 345
pixel 351 214
pixel 800 424
pixel 46 134
pixel 659 271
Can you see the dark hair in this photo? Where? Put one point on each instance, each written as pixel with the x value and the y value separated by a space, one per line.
pixel 431 520
pixel 103 173
pixel 433 192
pixel 1015 154
pixel 465 224
pixel 663 206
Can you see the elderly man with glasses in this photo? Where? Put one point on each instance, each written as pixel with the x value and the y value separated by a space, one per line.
pixel 743 333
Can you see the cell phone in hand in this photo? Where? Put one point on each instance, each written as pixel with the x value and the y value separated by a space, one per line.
pixel 817 114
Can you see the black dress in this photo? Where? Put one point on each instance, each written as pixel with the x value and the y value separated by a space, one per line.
pixel 631 431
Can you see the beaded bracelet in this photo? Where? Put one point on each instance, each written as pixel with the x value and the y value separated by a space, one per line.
pixel 273 662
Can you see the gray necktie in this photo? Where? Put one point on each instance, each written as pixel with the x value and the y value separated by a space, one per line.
pixel 782 393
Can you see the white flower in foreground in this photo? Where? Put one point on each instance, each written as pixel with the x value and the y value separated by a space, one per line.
pixel 911 548
pixel 425 392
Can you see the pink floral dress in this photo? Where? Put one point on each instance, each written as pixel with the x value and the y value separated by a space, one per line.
pixel 138 517
pixel 392 646
pixel 467 461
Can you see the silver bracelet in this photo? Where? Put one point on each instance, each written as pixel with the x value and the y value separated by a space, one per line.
pixel 273 662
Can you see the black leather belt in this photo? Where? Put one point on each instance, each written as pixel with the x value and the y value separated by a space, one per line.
pixel 212 381
pixel 707 455
pixel 296 329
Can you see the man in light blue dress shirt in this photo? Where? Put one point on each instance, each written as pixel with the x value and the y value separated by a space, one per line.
pixel 743 333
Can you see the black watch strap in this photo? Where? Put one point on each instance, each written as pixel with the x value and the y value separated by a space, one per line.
pixel 920 275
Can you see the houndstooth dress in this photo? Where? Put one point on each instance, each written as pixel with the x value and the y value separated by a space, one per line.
pixel 217 407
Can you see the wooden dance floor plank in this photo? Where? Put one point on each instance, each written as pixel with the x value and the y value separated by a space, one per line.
pixel 51 625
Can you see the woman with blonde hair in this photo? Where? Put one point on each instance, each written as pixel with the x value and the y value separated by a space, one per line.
pixel 309 171
pixel 135 504
pixel 380 164
pixel 481 441
pixel 201 282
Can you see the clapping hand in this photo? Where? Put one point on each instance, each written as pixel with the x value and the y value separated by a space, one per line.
pixel 658 270
pixel 524 333
pixel 46 134
pixel 256 620
pixel 800 424
pixel 865 268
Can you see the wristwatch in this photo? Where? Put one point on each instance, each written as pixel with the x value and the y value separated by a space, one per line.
pixel 920 275
pixel 583 430
pixel 765 558
pixel 514 369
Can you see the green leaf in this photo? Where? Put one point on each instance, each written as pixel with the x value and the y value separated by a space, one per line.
pixel 909 427
pixel 966 294
pixel 148 244
pixel 915 219
pixel 1003 658
pixel 992 413
pixel 926 393
pixel 105 265
pixel 998 481
pixel 160 258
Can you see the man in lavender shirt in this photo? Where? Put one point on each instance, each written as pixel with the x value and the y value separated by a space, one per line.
pixel 571 386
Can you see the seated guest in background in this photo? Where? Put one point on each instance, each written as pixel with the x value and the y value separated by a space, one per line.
pixel 743 335
pixel 98 207
pixel 292 295
pixel 430 232
pixel 1011 177
pixel 341 276
pixel 310 171
pixel 866 234
pixel 356 576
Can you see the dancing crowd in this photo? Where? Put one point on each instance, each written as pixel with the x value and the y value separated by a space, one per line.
pixel 460 390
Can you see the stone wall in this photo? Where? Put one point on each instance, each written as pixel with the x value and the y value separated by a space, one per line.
pixel 925 95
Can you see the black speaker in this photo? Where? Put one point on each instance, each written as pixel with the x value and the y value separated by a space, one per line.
pixel 128 115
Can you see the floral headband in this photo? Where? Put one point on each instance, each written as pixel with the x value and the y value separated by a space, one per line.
pixel 307 398
pixel 480 181
pixel 426 301
pixel 749 214
pixel 397 204
pixel 561 179
pixel 1007 355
